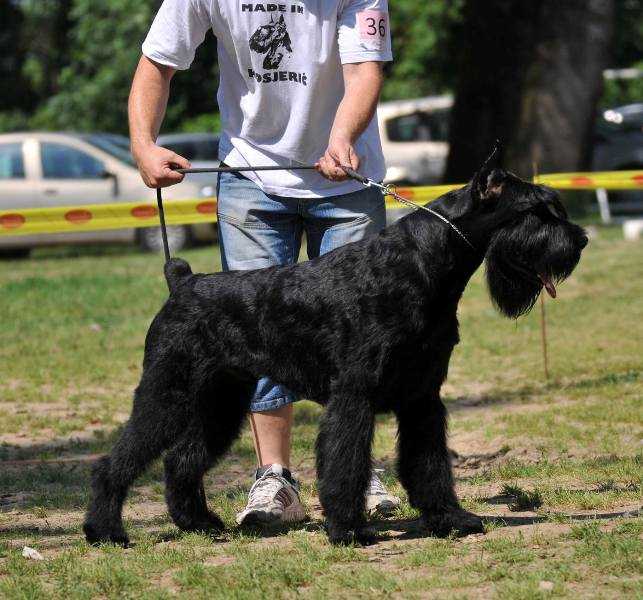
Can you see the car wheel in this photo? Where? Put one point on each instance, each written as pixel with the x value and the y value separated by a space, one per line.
pixel 12 253
pixel 178 237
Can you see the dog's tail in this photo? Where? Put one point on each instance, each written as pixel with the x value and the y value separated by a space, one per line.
pixel 176 270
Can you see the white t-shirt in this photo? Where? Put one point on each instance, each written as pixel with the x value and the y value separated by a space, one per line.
pixel 280 79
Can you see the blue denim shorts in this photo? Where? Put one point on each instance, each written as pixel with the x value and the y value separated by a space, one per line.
pixel 259 230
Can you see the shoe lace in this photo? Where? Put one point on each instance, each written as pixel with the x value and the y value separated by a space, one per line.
pixel 266 489
pixel 376 487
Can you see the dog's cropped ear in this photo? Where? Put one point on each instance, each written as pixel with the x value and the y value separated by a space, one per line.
pixel 488 181
pixel 492 187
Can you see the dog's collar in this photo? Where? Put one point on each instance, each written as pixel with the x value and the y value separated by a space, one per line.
pixel 389 190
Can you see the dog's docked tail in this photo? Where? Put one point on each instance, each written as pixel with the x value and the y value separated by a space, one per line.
pixel 176 270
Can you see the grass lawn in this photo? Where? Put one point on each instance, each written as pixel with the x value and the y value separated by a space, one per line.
pixel 554 466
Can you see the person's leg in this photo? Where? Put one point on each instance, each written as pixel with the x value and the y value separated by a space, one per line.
pixel 256 231
pixel 339 220
pixel 331 223
pixel 271 435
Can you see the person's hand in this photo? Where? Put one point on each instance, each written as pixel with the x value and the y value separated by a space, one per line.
pixel 156 165
pixel 339 152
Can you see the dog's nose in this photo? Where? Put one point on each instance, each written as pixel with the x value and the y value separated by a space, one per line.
pixel 583 241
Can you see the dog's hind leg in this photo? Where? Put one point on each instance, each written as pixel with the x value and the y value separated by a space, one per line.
pixel 112 476
pixel 221 406
pixel 424 468
pixel 344 467
pixel 185 464
pixel 158 414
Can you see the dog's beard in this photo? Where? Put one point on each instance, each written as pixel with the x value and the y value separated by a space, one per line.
pixel 524 259
pixel 514 282
pixel 512 288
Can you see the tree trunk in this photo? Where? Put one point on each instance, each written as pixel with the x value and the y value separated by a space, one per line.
pixel 12 57
pixel 531 76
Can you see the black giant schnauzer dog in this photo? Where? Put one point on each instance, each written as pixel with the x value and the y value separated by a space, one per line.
pixel 367 328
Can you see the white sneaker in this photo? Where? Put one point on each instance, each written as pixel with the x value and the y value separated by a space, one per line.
pixel 273 498
pixel 378 500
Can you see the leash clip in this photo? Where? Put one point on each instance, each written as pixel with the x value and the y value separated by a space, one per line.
pixel 390 190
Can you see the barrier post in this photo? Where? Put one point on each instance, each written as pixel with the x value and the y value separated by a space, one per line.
pixel 604 206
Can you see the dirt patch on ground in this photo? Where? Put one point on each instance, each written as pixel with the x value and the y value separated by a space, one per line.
pixel 472 454
pixel 48 439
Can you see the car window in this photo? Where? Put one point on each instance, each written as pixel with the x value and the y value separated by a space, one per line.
pixel 115 145
pixel 64 162
pixel 419 127
pixel 438 122
pixel 195 150
pixel 407 128
pixel 12 165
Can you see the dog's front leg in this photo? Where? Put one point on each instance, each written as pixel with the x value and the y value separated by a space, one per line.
pixel 424 468
pixel 344 467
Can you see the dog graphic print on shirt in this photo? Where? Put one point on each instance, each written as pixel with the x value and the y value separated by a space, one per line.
pixel 271 39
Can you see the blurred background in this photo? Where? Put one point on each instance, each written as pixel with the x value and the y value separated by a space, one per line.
pixel 560 83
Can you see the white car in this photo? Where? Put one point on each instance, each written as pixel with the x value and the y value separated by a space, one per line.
pixel 66 169
pixel 415 139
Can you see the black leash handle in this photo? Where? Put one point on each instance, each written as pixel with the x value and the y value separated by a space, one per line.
pixel 355 175
pixel 166 246
pixel 241 169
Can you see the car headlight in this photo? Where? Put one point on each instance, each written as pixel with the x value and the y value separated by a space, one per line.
pixel 208 191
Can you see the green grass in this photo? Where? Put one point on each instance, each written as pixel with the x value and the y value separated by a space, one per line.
pixel 523 500
pixel 553 465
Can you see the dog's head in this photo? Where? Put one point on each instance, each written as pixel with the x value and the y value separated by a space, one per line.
pixel 532 245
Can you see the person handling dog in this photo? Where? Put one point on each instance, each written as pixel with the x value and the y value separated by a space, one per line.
pixel 299 83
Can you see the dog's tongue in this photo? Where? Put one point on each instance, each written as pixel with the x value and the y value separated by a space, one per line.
pixel 549 286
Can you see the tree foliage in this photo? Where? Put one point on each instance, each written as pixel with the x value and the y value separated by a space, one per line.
pixel 81 66
pixel 80 57
pixel 68 64
pixel 424 36
pixel 93 86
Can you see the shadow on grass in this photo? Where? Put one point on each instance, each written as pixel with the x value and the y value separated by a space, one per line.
pixel 531 392
pixel 59 450
pixel 45 532
pixel 53 475
pixel 412 528
pixel 63 481
pixel 609 379
pixel 462 403
pixel 163 531
pixel 562 517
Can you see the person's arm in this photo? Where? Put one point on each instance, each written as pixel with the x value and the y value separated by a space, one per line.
pixel 362 87
pixel 147 105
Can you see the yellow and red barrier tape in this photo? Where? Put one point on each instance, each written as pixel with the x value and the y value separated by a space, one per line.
pixel 98 217
pixel 125 215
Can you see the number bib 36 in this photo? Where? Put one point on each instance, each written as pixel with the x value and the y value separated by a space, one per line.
pixel 373 26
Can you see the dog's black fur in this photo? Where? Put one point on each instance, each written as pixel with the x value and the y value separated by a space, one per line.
pixel 367 328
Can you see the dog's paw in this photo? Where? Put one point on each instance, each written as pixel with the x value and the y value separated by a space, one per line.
pixel 459 522
pixel 210 524
pixel 343 536
pixel 96 536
